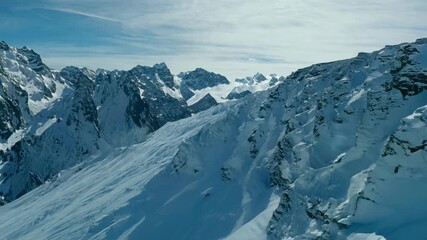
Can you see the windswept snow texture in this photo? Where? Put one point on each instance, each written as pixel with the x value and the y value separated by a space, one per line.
pixel 335 151
pixel 174 180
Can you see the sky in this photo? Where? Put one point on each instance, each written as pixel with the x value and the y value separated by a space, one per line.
pixel 236 38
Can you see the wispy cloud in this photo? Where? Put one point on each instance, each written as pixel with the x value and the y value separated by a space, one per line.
pixel 84 14
pixel 236 36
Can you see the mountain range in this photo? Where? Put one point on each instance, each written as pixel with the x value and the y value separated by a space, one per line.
pixel 334 151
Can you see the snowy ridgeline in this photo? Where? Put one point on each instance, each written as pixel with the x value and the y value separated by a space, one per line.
pixel 334 151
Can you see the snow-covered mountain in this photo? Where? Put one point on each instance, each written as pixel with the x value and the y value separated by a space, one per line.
pixel 201 84
pixel 52 120
pixel 334 151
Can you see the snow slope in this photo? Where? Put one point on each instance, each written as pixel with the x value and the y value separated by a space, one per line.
pixel 133 190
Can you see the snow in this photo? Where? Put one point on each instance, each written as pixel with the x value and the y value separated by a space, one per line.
pixel 32 83
pixel 255 229
pixel 146 175
pixel 37 105
pixel 365 236
pixel 120 181
pixel 422 57
pixel 43 126
pixel 373 76
pixel 172 92
pixel 119 176
pixel 220 92
pixel 14 138
pixel 356 96
pixel 141 93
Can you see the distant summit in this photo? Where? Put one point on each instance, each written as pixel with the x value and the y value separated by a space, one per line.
pixel 200 78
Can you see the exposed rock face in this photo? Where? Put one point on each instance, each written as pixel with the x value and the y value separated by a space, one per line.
pixel 200 78
pixel 206 102
pixel 10 115
pixel 140 101
pixel 235 95
pixel 186 92
pixel 257 78
pixel 33 60
pixel 408 77
pixel 274 80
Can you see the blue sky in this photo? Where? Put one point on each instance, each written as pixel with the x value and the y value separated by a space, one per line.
pixel 233 37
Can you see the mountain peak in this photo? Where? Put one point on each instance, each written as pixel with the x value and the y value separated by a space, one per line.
pixel 421 41
pixel 159 71
pixel 4 45
pixel 78 77
pixel 161 65
pixel 34 60
pixel 27 48
pixel 201 78
pixel 205 103
pixel 259 77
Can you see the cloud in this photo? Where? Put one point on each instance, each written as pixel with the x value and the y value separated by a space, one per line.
pixel 240 35
pixel 76 12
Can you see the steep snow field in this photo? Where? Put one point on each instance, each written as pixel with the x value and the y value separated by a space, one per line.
pixel 137 192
